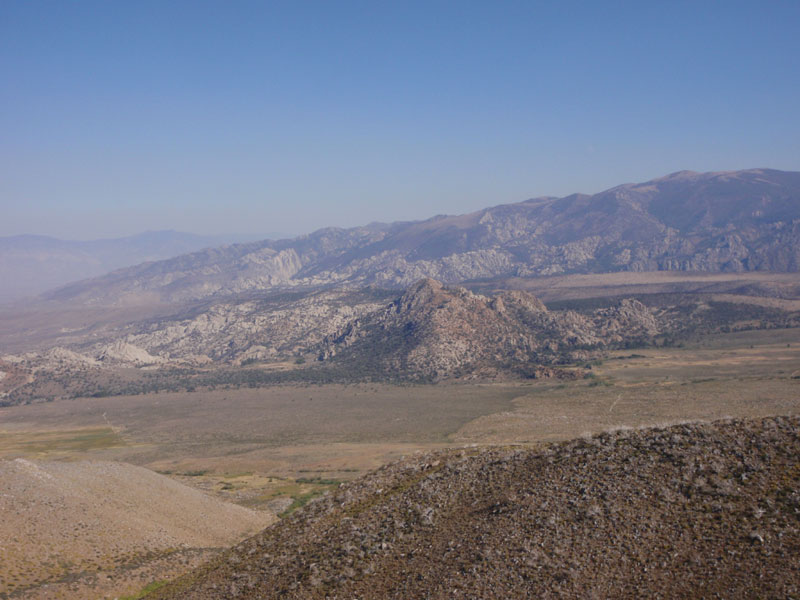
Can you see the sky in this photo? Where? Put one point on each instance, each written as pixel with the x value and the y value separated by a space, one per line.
pixel 247 117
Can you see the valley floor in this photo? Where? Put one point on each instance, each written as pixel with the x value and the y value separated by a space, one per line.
pixel 276 448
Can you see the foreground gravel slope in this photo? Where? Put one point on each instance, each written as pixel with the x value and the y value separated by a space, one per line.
pixel 692 510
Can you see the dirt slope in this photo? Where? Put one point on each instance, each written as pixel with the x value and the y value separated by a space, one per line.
pixel 689 511
pixel 100 520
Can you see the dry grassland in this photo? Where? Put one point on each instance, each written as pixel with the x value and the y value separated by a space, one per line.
pixel 600 285
pixel 746 374
pixel 337 431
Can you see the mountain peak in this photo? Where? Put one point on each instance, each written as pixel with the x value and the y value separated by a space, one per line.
pixel 679 175
pixel 422 292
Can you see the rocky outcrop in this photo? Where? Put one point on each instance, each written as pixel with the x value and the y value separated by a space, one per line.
pixel 629 320
pixel 434 332
pixel 737 221
pixel 430 332
pixel 68 358
pixel 125 353
pixel 234 332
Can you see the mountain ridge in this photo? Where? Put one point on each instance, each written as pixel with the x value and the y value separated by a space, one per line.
pixel 708 222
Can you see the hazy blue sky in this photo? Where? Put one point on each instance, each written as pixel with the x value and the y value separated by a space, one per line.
pixel 211 117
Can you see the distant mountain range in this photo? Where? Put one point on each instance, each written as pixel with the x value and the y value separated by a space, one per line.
pixel 713 222
pixel 31 264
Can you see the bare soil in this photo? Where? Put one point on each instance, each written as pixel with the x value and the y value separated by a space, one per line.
pixel 71 527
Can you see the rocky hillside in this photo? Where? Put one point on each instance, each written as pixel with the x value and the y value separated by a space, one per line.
pixel 688 511
pixel 730 221
pixel 282 327
pixel 433 332
pixel 274 328
pixel 105 526
pixel 427 333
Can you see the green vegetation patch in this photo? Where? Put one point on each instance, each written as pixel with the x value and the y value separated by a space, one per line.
pixel 300 490
pixel 194 473
pixel 318 480
pixel 150 587
pixel 43 443
pixel 301 500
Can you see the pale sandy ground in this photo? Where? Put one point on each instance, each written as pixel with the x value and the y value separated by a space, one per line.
pixel 105 526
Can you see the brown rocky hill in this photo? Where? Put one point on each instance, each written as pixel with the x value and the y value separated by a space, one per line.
pixel 435 332
pixel 687 511
pixel 728 221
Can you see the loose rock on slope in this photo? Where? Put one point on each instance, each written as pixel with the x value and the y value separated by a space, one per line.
pixel 688 511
